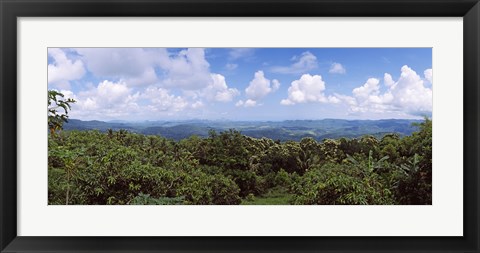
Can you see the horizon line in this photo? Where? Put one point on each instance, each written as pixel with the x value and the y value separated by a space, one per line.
pixel 253 120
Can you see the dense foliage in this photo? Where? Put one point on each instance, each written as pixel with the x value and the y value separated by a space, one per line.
pixel 57 110
pixel 228 168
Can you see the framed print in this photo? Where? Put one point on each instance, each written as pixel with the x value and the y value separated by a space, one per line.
pixel 239 126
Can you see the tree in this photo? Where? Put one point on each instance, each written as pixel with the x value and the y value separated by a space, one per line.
pixel 71 160
pixel 309 154
pixel 56 118
pixel 416 187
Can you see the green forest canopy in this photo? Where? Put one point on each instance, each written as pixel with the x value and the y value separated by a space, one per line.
pixel 228 168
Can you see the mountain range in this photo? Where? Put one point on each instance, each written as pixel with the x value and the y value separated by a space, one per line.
pixel 276 130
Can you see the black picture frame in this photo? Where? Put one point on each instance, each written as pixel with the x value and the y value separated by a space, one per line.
pixel 10 10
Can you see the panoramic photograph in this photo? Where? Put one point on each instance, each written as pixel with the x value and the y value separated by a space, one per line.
pixel 239 126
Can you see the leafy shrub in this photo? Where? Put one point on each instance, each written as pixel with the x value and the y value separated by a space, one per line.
pixel 282 178
pixel 203 189
pixel 340 185
pixel 248 182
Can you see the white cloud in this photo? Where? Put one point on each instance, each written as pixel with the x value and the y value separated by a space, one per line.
pixel 410 94
pixel 428 75
pixel 157 73
pixel 334 100
pixel 286 102
pixel 368 98
pixel 371 87
pixel 260 86
pixel 112 92
pixel 307 89
pixel 247 103
pixel 275 85
pixel 188 70
pixel 113 100
pixel 147 77
pixel 388 80
pixel 350 101
pixel 218 90
pixel 307 61
pixel 107 100
pixel 337 68
pixel 63 70
pixel 407 96
pixel 134 65
pixel 237 53
pixel 161 101
pixel 250 103
pixel 68 94
pixel 257 89
pixel 197 104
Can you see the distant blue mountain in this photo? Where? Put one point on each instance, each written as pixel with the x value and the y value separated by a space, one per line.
pixel 276 130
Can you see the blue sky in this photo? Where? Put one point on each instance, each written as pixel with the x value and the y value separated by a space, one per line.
pixel 243 83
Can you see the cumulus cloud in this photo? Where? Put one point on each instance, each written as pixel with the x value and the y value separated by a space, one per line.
pixel 106 100
pixel 186 69
pixel 258 88
pixel 275 84
pixel 305 62
pixel 116 62
pixel 134 65
pixel 407 96
pixel 189 71
pixel 348 100
pixel 142 82
pixel 247 103
pixel 428 75
pixel 371 87
pixel 368 97
pixel 149 76
pixel 388 80
pixel 308 89
pixel 63 70
pixel 161 101
pixel 410 94
pixel 111 92
pixel 113 100
pixel 218 90
pixel 337 68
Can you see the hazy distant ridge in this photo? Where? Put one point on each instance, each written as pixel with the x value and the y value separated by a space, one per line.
pixel 277 130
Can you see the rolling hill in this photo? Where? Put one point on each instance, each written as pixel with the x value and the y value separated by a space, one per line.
pixel 276 130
